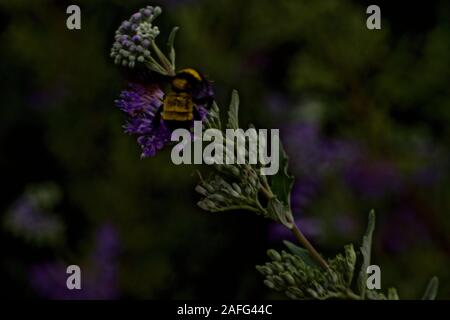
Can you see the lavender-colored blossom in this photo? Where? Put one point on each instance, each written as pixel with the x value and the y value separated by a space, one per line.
pixel 99 273
pixel 142 104
pixel 202 112
pixel 141 100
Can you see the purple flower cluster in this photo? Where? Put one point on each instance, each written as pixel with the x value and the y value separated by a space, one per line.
pixel 134 36
pixel 142 105
pixel 99 274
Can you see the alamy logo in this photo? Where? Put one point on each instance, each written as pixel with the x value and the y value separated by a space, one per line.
pixel 374 20
pixel 236 147
pixel 74 279
pixel 73 22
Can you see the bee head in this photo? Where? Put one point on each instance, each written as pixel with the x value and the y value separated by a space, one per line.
pixel 186 79
pixel 191 81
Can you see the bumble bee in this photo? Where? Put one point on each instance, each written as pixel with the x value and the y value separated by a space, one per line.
pixel 188 89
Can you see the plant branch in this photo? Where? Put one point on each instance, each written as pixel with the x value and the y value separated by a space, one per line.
pixel 267 193
pixel 308 246
pixel 299 235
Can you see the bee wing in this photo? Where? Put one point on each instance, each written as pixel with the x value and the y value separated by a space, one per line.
pixel 203 94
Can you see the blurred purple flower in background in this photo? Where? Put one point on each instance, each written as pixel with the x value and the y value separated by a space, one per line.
pixel 310 226
pixel 99 276
pixel 312 154
pixel 373 179
pixel 31 217
pixel 315 160
pixel 47 97
pixel 303 192
pixel 312 158
pixel 412 231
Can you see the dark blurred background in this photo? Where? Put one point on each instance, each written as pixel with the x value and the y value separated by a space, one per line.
pixel 364 116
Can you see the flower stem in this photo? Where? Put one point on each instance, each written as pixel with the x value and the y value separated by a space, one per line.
pixel 308 246
pixel 162 58
pixel 265 189
pixel 267 193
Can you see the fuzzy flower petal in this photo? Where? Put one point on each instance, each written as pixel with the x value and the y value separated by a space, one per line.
pixel 142 104
pixel 156 140
pixel 139 100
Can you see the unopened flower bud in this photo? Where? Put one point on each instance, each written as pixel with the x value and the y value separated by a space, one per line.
pixel 269 284
pixel 278 281
pixel 274 255
pixel 288 278
pixel 217 197
pixel 201 190
pixel 264 270
pixel 290 295
pixel 136 35
pixel 236 187
pixel 278 266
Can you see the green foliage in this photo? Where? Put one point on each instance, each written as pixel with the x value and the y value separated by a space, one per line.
pixel 233 111
pixel 282 182
pixel 239 186
pixel 170 45
pixel 298 277
pixel 298 274
pixel 289 273
pixel 431 290
pixel 366 251
pixel 222 195
pixel 281 186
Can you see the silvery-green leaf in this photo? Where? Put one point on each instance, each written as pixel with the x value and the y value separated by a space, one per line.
pixel 280 212
pixel 366 248
pixel 213 119
pixel 233 117
pixel 282 182
pixel 432 288
pixel 392 294
pixel 170 44
pixel 350 259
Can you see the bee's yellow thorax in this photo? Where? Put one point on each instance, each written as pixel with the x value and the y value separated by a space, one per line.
pixel 180 84
pixel 178 107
